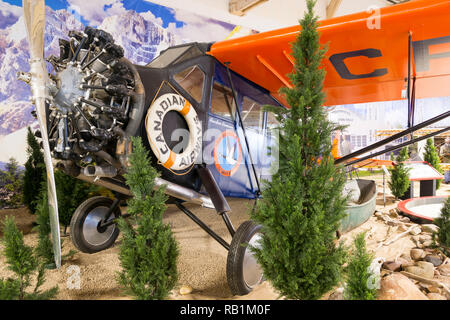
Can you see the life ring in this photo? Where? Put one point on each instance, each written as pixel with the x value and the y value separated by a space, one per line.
pixel 153 124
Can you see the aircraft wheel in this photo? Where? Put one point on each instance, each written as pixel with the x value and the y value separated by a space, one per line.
pixel 243 271
pixel 84 226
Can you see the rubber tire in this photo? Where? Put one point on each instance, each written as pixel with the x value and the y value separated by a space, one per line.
pixel 235 276
pixel 77 221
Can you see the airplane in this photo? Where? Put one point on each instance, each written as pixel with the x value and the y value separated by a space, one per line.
pixel 198 109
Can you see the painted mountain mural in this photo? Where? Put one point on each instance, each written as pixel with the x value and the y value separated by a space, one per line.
pixel 143 29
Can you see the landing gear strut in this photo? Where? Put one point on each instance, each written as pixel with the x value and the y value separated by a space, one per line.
pixel 243 271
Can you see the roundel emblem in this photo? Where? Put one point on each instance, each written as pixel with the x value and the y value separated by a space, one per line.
pixel 227 153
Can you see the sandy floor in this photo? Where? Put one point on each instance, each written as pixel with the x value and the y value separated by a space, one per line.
pixel 202 261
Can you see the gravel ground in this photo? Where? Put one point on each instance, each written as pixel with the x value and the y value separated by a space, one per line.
pixel 202 261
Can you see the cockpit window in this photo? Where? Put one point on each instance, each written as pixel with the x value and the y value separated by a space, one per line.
pixel 252 114
pixel 176 55
pixel 193 52
pixel 192 80
pixel 272 121
pixel 222 102
pixel 167 57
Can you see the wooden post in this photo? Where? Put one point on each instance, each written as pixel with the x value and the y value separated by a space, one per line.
pixel 332 8
pixel 237 7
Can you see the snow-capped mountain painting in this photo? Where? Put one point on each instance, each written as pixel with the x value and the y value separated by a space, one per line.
pixel 142 28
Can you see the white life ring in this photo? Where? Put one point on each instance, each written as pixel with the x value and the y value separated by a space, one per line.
pixel 153 124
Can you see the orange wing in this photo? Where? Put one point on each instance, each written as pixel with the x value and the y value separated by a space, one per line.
pixel 363 64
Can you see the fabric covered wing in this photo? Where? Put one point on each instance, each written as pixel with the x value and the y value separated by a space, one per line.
pixel 364 63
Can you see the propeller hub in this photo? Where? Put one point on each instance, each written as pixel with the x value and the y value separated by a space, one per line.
pixel 69 82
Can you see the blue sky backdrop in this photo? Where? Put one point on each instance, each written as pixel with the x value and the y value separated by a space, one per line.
pixel 166 14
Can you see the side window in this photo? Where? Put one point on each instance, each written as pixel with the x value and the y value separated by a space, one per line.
pixel 222 102
pixel 272 121
pixel 252 114
pixel 192 80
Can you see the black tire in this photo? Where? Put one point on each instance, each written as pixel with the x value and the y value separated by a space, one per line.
pixel 235 261
pixel 83 234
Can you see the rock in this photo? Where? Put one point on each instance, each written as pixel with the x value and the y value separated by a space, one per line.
pixel 417 254
pixel 434 259
pixel 405 219
pixel 402 227
pixel 378 214
pixel 415 231
pixel 436 296
pixel 399 287
pixel 434 289
pixel 393 213
pixel 380 217
pixel 427 243
pixel 422 269
pixel 431 228
pixel 393 223
pixel 337 295
pixel 184 290
pixel 444 270
pixel 424 237
pixel 406 257
pixel 392 266
pixel 422 286
pixel 404 262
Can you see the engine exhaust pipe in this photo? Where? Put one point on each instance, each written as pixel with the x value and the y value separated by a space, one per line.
pixel 100 171
pixel 172 189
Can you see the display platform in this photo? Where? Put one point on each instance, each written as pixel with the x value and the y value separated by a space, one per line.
pixel 424 208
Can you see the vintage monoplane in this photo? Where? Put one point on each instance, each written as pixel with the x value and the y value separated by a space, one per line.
pixel 198 108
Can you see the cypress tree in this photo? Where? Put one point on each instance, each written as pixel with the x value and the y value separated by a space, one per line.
pixel 44 248
pixel 443 222
pixel 359 277
pixel 148 253
pixel 34 171
pixel 301 208
pixel 71 192
pixel 24 264
pixel 431 156
pixel 403 155
pixel 399 181
pixel 12 181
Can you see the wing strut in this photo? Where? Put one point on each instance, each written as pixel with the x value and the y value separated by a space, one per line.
pixel 269 67
pixel 392 138
pixel 399 146
pixel 243 129
pixel 411 91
